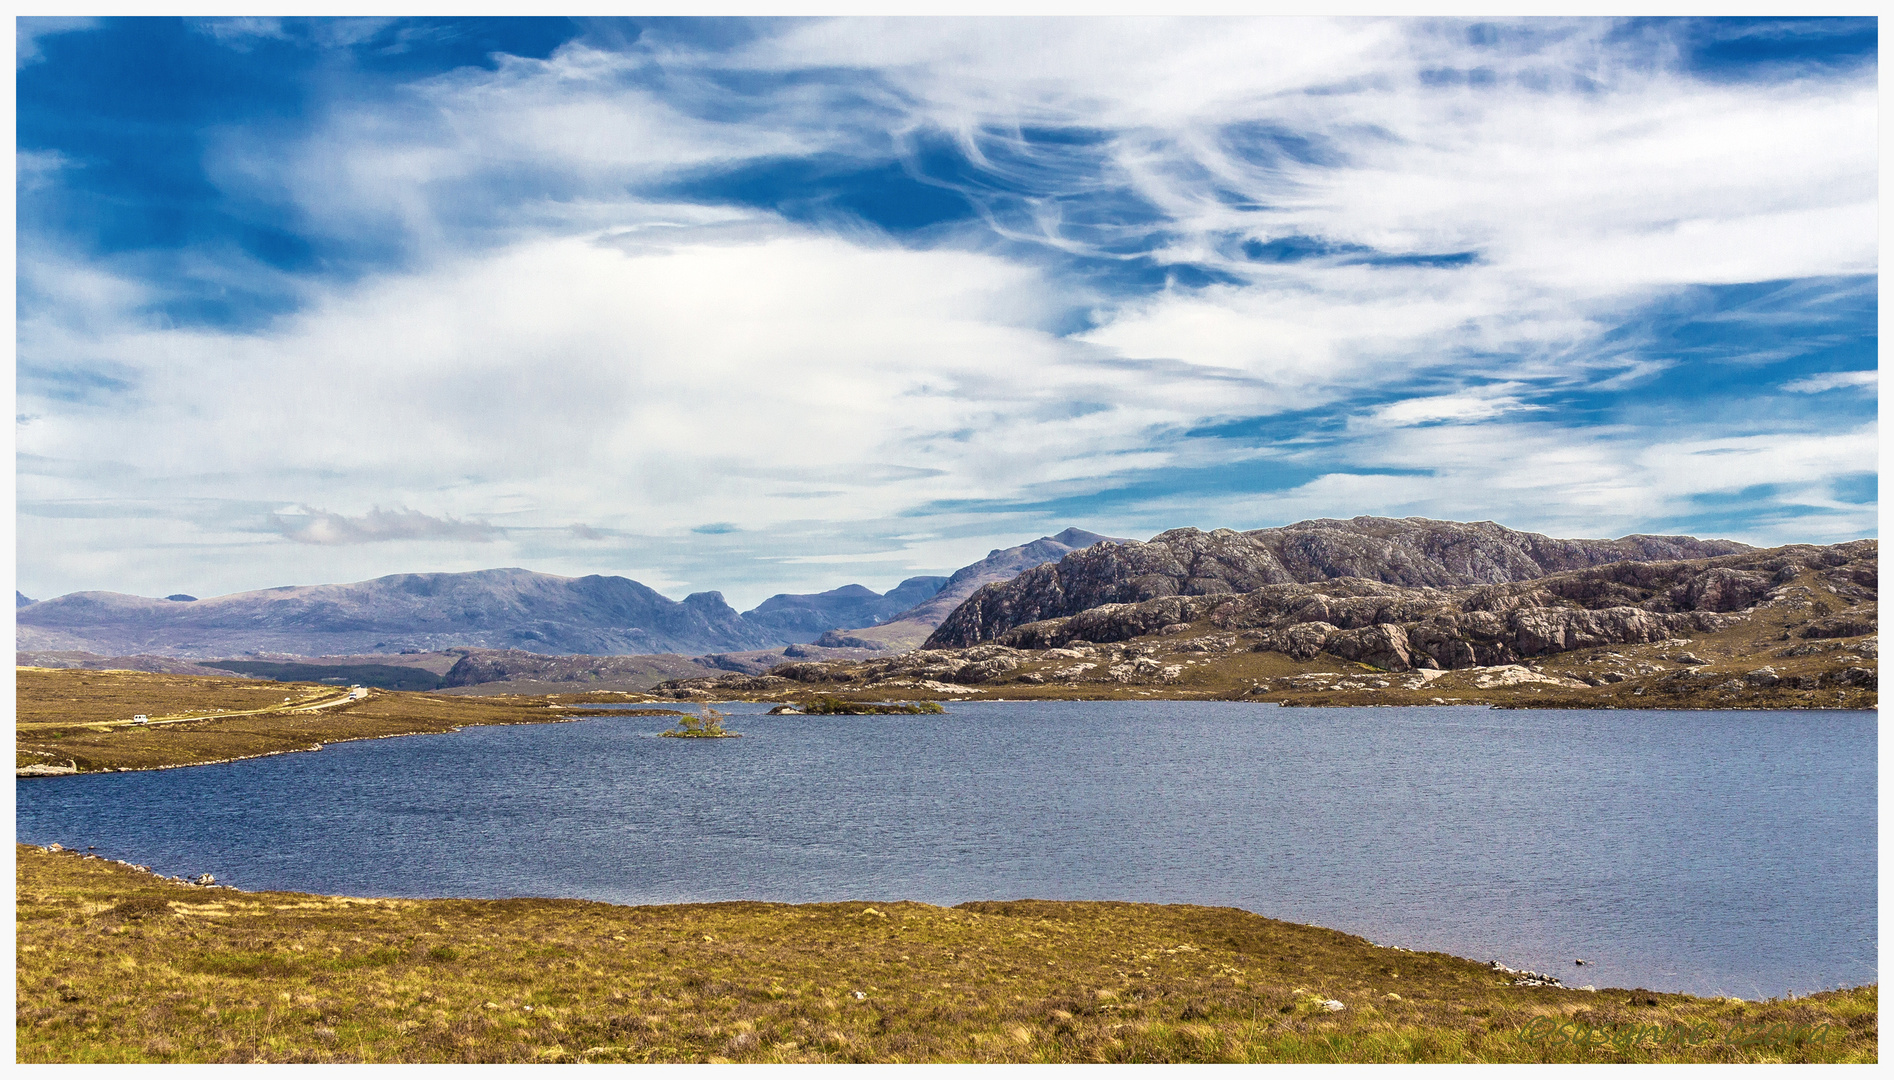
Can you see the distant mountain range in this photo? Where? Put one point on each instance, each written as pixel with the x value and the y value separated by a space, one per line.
pixel 1052 577
pixel 909 628
pixel 502 609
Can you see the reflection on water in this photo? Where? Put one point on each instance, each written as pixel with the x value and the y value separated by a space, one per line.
pixel 1708 852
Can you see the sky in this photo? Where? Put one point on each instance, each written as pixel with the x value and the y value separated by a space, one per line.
pixel 779 305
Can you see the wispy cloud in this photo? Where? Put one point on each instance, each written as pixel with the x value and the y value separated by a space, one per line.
pixel 1832 380
pixel 1445 409
pixel 866 285
pixel 29 31
pixel 307 525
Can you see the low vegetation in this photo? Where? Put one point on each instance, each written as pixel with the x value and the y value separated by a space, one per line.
pixel 380 676
pixel 704 725
pixel 119 965
pixel 81 720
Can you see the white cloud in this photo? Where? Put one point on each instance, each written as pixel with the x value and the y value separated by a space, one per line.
pixel 241 33
pixel 1735 463
pixel 1597 482
pixel 35 169
pixel 307 525
pixel 1597 169
pixel 642 388
pixel 1445 408
pixel 28 30
pixel 534 147
pixel 548 349
pixel 1834 380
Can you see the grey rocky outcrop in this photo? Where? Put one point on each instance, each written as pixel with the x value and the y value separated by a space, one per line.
pixel 1383 645
pixel 1398 628
pixel 1495 627
pixel 1408 552
pixel 964 667
pixel 480 666
pixel 1847 624
pixel 727 684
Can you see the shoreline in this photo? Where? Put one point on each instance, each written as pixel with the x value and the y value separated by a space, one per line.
pixel 74 720
pixel 535 711
pixel 117 963
pixel 577 712
pixel 1522 977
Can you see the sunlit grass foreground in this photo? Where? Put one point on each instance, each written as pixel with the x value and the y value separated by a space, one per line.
pixel 120 965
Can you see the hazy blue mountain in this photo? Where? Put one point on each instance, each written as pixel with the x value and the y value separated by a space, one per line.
pixel 906 629
pixel 804 616
pixel 502 609
pixel 494 609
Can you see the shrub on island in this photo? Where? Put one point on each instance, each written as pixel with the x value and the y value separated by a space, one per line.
pixel 705 725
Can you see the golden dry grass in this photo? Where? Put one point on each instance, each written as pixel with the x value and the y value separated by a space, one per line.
pixel 78 716
pixel 118 965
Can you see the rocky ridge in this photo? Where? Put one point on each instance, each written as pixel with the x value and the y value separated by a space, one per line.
pixel 1407 552
pixel 480 667
pixel 1397 628
pixel 1623 626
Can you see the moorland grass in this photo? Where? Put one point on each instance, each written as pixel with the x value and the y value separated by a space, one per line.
pixel 80 717
pixel 119 965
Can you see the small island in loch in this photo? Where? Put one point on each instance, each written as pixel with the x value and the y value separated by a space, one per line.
pixel 704 725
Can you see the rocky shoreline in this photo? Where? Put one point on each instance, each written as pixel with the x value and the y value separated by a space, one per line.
pixel 201 881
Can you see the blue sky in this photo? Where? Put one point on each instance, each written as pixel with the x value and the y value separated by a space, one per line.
pixel 762 305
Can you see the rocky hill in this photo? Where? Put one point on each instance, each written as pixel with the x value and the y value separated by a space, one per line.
pixel 525 672
pixel 1398 628
pixel 1411 552
pixel 1786 627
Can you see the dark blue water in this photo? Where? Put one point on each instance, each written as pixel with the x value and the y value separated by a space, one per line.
pixel 1708 852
